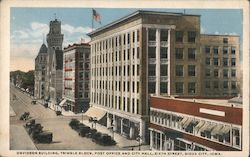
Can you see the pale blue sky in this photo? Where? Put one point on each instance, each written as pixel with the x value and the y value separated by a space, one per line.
pixel 29 24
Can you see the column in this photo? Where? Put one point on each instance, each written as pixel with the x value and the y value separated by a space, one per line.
pixel 142 131
pixel 114 123
pixel 108 120
pixel 122 126
pixel 158 62
pixel 161 141
pixel 169 59
pixel 151 139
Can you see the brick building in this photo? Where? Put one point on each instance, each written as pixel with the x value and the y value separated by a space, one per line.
pixel 195 124
pixel 76 76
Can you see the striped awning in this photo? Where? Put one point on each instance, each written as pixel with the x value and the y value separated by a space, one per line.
pixel 95 113
pixel 188 121
pixel 199 125
pixel 204 127
pixel 224 130
pixel 62 103
pixel 210 127
pixel 184 120
pixel 216 129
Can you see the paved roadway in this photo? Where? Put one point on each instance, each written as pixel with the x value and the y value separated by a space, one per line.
pixel 64 138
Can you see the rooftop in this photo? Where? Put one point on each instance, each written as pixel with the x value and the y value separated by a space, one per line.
pixel 138 12
pixel 236 101
pixel 75 45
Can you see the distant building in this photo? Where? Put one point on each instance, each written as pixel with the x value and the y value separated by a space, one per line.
pixel 76 77
pixel 54 67
pixel 195 124
pixel 221 65
pixel 40 72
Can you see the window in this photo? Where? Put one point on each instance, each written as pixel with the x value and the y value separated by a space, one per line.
pixel 151 87
pixel 233 50
pixel 191 70
pixel 233 62
pixel 207 72
pixel 179 87
pixel 151 52
pixel 207 61
pixel 216 73
pixel 233 73
pixel 216 50
pixel 138 35
pixel 191 53
pixel 179 36
pixel 236 137
pixel 164 87
pixel 233 85
pixel 225 84
pixel 216 85
pixel 164 52
pixel 207 50
pixel 225 73
pixel 179 70
pixel 216 62
pixel 225 62
pixel 151 35
pixel 191 36
pixel 164 70
pixel 191 88
pixel 225 40
pixel 207 84
pixel 151 69
pixel 225 50
pixel 128 38
pixel 133 36
pixel 138 52
pixel 179 53
pixel 164 35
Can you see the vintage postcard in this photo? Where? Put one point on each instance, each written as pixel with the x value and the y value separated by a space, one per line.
pixel 126 78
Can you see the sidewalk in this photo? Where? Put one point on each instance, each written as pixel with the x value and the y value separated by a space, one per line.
pixel 12 112
pixel 122 141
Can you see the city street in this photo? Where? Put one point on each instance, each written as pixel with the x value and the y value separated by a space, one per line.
pixel 64 138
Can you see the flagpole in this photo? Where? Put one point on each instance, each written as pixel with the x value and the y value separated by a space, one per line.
pixel 92 19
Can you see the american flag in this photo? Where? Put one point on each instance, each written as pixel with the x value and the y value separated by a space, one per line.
pixel 96 16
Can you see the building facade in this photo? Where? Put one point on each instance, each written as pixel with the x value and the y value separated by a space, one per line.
pixel 138 55
pixel 76 77
pixel 54 67
pixel 221 65
pixel 195 124
pixel 40 72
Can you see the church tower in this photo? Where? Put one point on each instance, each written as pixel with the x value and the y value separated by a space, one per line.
pixel 55 37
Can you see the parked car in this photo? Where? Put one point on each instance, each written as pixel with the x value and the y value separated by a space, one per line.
pixel 25 116
pixel 74 123
pixel 58 113
pixel 33 102
pixel 91 133
pixel 83 130
pixel 44 137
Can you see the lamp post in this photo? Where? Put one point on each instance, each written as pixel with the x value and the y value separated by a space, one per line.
pixel 95 120
pixel 82 116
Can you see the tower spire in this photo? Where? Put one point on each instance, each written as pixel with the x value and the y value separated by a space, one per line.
pixel 55 15
pixel 43 38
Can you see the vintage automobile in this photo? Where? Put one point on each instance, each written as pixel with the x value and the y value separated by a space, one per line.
pixel 83 130
pixel 44 137
pixel 25 116
pixel 74 123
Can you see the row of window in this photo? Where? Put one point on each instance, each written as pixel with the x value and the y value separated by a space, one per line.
pixel 215 50
pixel 126 104
pixel 217 85
pixel 191 69
pixel 179 88
pixel 116 56
pixel 225 61
pixel 132 86
pixel 152 34
pixel 216 73
pixel 152 70
pixel 163 87
pixel 191 36
pixel 179 53
pixel 125 39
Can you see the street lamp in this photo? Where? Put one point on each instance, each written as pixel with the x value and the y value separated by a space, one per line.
pixel 82 116
pixel 95 120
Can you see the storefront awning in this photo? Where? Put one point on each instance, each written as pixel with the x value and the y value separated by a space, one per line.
pixel 210 127
pixel 216 129
pixel 62 103
pixel 204 127
pixel 224 130
pixel 188 121
pixel 199 125
pixel 184 120
pixel 95 113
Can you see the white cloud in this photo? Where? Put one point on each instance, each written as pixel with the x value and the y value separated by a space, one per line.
pixel 71 29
